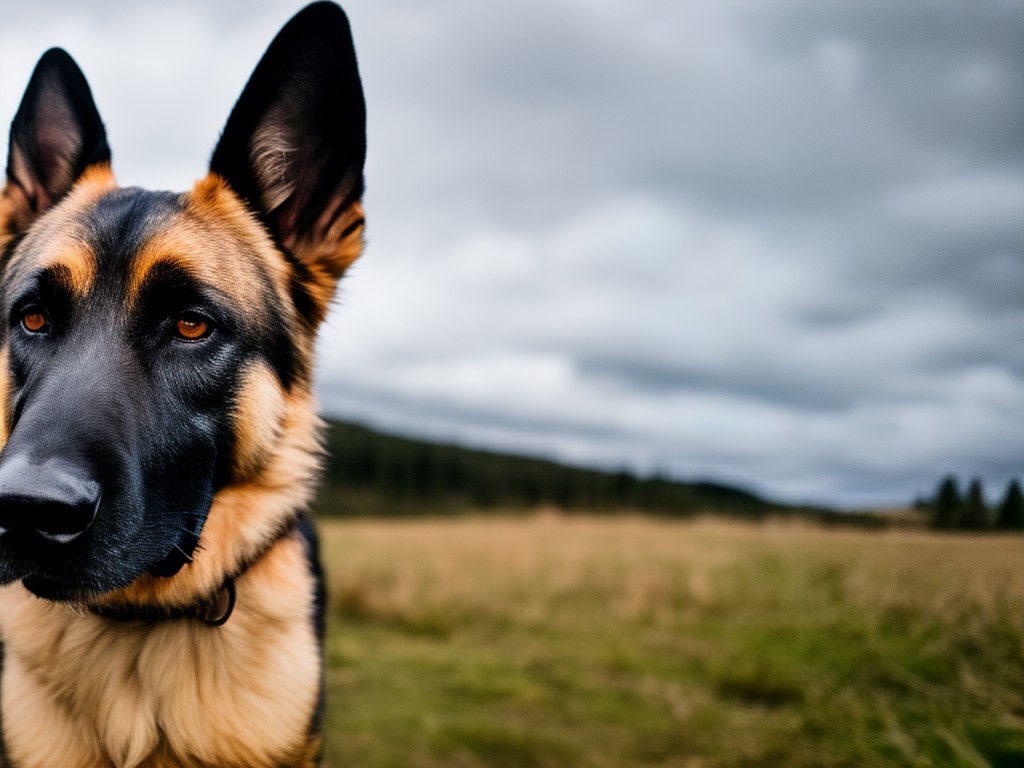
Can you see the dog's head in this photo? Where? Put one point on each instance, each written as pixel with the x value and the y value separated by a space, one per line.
pixel 156 348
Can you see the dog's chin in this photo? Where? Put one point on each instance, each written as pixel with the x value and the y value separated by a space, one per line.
pixel 55 590
pixel 80 573
pixel 61 590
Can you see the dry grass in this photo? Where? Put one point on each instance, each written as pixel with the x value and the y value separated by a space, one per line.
pixel 585 641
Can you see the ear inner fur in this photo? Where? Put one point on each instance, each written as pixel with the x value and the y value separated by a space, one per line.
pixel 294 146
pixel 57 133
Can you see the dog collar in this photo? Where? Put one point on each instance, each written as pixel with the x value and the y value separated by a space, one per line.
pixel 213 611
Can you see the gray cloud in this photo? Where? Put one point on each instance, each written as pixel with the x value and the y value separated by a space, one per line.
pixel 780 245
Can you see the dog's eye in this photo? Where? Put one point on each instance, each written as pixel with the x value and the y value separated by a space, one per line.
pixel 192 326
pixel 33 320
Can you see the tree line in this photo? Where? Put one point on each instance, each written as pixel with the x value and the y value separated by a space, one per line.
pixel 950 509
pixel 372 474
pixel 368 473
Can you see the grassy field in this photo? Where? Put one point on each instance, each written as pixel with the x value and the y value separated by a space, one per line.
pixel 549 641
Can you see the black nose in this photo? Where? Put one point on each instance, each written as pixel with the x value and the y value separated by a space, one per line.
pixel 51 499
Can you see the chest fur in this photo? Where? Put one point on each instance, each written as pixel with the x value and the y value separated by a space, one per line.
pixel 81 691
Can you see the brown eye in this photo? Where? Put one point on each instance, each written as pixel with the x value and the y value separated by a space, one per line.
pixel 34 321
pixel 192 327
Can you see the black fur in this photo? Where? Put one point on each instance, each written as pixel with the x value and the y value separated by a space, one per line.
pixel 319 612
pixel 307 85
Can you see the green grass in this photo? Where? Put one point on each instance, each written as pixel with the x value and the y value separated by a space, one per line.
pixel 550 642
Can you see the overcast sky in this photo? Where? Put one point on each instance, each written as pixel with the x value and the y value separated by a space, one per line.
pixel 778 244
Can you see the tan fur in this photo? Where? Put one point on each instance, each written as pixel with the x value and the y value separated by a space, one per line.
pixel 325 253
pixel 91 692
pixel 259 412
pixel 329 255
pixel 5 394
pixel 214 216
pixel 60 229
pixel 212 202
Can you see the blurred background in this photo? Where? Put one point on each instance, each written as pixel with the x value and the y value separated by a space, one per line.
pixel 779 246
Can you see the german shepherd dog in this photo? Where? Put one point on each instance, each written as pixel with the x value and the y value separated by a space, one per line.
pixel 162 603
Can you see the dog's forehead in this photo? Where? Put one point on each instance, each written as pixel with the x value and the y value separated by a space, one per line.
pixel 117 239
pixel 118 224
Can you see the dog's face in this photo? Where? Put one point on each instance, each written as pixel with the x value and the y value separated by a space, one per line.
pixel 152 343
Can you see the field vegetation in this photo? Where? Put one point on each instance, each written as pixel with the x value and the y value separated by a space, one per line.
pixel 549 640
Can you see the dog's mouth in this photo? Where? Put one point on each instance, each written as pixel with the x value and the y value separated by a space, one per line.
pixel 181 552
pixel 83 568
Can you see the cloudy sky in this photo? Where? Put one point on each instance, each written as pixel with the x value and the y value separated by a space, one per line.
pixel 778 244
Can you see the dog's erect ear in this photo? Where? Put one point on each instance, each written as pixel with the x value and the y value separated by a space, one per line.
pixel 56 134
pixel 294 145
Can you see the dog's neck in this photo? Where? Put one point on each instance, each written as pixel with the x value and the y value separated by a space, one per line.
pixel 109 684
pixel 212 609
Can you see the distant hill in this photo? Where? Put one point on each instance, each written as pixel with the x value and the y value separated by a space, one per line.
pixel 369 473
